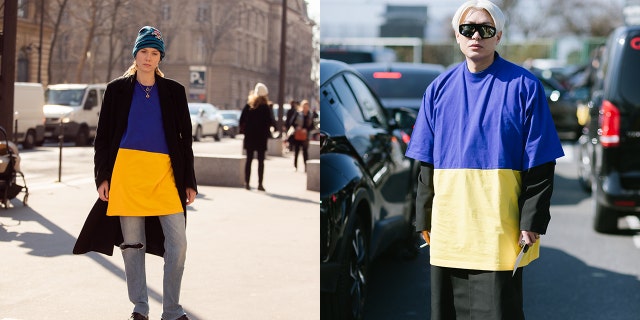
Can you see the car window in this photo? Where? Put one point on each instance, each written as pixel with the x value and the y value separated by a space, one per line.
pixel 629 71
pixel 347 99
pixel 371 110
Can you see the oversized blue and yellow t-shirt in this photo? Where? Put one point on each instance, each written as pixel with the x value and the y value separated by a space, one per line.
pixel 142 183
pixel 481 131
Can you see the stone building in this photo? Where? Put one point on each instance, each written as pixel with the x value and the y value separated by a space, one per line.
pixel 29 54
pixel 218 49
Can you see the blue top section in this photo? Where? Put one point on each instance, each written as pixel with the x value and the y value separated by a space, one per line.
pixel 145 131
pixel 495 119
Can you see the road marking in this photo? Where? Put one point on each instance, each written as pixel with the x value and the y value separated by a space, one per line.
pixel 634 223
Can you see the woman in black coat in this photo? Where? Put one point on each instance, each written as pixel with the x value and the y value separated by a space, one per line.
pixel 256 121
pixel 145 176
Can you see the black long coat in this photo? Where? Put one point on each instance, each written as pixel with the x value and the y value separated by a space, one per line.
pixel 257 124
pixel 100 232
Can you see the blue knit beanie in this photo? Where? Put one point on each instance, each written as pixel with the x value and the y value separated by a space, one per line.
pixel 149 37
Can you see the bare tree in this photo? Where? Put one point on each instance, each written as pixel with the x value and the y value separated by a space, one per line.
pixel 56 21
pixel 223 16
pixel 91 22
pixel 568 17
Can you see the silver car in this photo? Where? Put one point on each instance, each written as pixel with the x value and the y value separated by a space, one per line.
pixel 206 120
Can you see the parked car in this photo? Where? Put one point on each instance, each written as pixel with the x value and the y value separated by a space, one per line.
pixel 400 87
pixel 74 109
pixel 608 162
pixel 563 105
pixel 365 190
pixel 28 114
pixel 230 120
pixel 206 121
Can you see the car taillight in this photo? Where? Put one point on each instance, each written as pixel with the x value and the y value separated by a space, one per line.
pixel 405 137
pixel 609 125
pixel 387 75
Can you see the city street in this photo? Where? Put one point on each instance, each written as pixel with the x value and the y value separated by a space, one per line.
pixel 252 255
pixel 581 274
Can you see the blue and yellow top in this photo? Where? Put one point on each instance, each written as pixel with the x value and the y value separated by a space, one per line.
pixel 142 183
pixel 481 131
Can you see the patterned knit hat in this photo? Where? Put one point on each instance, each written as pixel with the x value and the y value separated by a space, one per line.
pixel 149 37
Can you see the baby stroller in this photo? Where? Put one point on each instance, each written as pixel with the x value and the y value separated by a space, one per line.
pixel 10 171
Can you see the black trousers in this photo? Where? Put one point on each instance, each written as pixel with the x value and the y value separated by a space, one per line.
pixel 304 145
pixel 460 294
pixel 247 165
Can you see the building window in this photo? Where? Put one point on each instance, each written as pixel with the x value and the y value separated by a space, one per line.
pixel 23 9
pixel 23 66
pixel 200 50
pixel 166 12
pixel 203 13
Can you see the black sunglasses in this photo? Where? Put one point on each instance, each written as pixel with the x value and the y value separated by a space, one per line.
pixel 485 31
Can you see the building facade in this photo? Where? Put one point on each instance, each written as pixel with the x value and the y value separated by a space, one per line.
pixel 218 49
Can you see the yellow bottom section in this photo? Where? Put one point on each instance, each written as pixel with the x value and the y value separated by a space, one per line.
pixel 475 220
pixel 142 184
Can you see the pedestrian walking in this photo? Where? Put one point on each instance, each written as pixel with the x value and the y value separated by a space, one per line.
pixel 144 172
pixel 487 146
pixel 291 116
pixel 256 121
pixel 303 125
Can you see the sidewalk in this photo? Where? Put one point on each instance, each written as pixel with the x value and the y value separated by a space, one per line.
pixel 252 255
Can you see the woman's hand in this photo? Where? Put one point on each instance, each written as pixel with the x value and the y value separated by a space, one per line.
pixel 103 191
pixel 191 195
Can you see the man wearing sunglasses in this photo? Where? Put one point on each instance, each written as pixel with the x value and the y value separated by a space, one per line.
pixel 487 145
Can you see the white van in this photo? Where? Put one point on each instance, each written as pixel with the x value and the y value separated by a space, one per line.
pixel 28 99
pixel 75 108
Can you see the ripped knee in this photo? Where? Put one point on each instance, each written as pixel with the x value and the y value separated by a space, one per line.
pixel 131 246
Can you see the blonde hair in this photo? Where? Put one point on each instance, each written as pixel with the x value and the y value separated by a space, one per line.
pixel 493 10
pixel 254 100
pixel 133 69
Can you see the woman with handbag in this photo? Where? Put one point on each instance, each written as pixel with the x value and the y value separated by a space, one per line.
pixel 303 125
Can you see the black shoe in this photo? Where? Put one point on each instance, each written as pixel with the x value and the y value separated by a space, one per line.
pixel 261 188
pixel 246 186
pixel 184 317
pixel 137 316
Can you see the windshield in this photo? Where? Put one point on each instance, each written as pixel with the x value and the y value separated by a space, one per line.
pixel 65 97
pixel 230 116
pixel 194 110
pixel 408 86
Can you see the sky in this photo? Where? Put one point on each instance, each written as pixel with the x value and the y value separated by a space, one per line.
pixel 313 9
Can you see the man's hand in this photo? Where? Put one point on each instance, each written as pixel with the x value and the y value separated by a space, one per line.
pixel 529 237
pixel 426 237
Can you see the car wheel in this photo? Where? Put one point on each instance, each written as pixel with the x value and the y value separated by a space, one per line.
pixel 29 140
pixel 198 135
pixel 585 177
pixel 605 220
pixel 218 134
pixel 347 303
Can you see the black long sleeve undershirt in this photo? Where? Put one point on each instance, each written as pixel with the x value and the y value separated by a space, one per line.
pixel 534 201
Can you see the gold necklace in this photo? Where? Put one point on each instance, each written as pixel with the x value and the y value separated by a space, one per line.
pixel 146 89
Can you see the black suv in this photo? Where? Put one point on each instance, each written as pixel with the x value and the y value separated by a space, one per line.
pixel 366 198
pixel 609 149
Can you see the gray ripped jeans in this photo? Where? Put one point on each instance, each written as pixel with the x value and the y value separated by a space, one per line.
pixel 175 244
